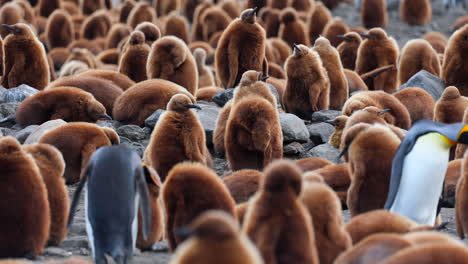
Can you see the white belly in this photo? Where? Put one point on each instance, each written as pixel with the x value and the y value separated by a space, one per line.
pixel 89 228
pixel 421 182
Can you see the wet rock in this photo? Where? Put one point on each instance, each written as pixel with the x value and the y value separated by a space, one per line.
pixel 139 148
pixel 207 117
pixel 160 247
pixel 7 131
pixel 293 148
pixel 320 132
pixel 8 109
pixel 325 115
pixel 151 121
pixel 326 151
pixel 23 134
pixel 57 252
pixel 114 124
pixel 221 98
pixel 427 81
pixel 17 94
pixel 42 129
pixel 132 132
pixel 293 128
pixel 75 242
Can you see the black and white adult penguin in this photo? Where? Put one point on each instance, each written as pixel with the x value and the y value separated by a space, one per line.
pixel 419 167
pixel 115 189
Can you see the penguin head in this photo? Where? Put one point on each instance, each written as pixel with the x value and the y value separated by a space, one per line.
pixel 339 122
pixel 9 146
pixel 375 34
pixel 351 37
pixel 96 110
pixel 462 36
pixel 250 77
pixel 214 225
pixel 322 42
pixel 20 30
pixel 249 15
pixel 300 50
pixel 181 103
pixel 282 176
pixel 136 38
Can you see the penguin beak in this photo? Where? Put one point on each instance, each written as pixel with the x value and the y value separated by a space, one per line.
pixel 343 37
pixel 331 122
pixel 193 106
pixel 264 78
pixel 252 12
pixel 184 233
pixel 463 135
pixel 296 49
pixel 255 10
pixel 105 116
pixel 386 110
pixel 14 30
pixel 366 36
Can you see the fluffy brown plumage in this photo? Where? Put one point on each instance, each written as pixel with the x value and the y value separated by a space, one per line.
pixel 419 103
pixel 213 20
pixel 374 13
pixel 348 49
pixel 133 61
pixel 417 55
pixel 455 63
pixel 451 106
pixel 426 254
pixel 333 29
pixel 116 34
pixel 142 12
pixel 338 177
pixel 59 29
pixel 205 74
pixel 177 25
pixel 97 25
pixel 437 40
pixel 243 184
pixel 292 30
pixel 118 79
pixel 416 12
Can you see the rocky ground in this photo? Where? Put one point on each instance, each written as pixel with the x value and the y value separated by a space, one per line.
pixel 301 139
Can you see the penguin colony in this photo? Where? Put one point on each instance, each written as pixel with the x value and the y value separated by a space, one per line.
pixel 102 70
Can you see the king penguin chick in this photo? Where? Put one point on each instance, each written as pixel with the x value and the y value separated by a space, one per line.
pixel 276 217
pixel 59 29
pixel 376 51
pixel 240 48
pixel 332 63
pixel 317 21
pixel 417 55
pixel 419 103
pixel 133 60
pixel 451 106
pixel 307 87
pixel 456 61
pixel 205 74
pixel 25 60
pixel 416 182
pixel 170 59
pixel 292 30
pixel 191 189
pixel 461 205
pixel 214 237
pixel 333 29
pixel 348 49
pixel 374 13
pixel 416 12
pixel 171 143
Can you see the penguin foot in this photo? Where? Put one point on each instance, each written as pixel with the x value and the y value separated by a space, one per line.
pixel 441 226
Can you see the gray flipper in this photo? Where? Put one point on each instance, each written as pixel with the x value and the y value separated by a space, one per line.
pixel 145 206
pixel 76 196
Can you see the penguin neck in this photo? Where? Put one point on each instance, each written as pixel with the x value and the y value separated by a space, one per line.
pixel 436 140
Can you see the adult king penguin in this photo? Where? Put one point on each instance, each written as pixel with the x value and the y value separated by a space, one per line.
pixel 419 167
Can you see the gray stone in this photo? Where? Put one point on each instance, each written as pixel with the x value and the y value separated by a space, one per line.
pixel 114 124
pixel 132 132
pixel 57 252
pixel 293 128
pixel 23 134
pixel 294 148
pixel 139 148
pixel 7 131
pixel 325 115
pixel 221 98
pixel 17 94
pixel 320 132
pixel 160 247
pixel 275 93
pixel 8 109
pixel 42 129
pixel 153 118
pixel 75 242
pixel 326 151
pixel 207 117
pixel 427 81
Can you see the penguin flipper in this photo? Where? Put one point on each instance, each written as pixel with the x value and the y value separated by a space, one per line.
pixel 145 207
pixel 76 196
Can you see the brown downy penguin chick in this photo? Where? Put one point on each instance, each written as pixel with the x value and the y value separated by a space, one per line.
pixel 10 13
pixel 124 10
pixel 279 4
pixel 58 57
pixel 116 34
pixel 398 114
pixel 283 49
pixel 141 100
pixel 332 63
pixel 338 177
pixel 324 207
pixel 151 31
pixel 374 249
pixel 317 21
pixel 157 221
pixel 189 8
pixel 97 25
pixel 26 223
pixel 90 45
pixel 370 159
pixel 164 7
pixel 72 8
pixel 451 106
pixel 25 60
pixel 348 49
pixel 202 45
pixel 419 103
pixel 46 7
pixel 171 143
pixel 177 25
pixel 437 40
pixel 109 56
pixel 459 22
pixel 118 79
pixel 416 12
pixel 243 184
pixel 69 104
pixel 303 5
pixel 220 129
pixel 430 237
pixel 275 71
pixel 213 237
pixel 59 29
pixel 417 55
pixel 376 51
pixel 233 9
pixel 253 136
pixel 450 183
pixel 213 20
pixel 461 148
pixel 77 141
pixel 206 93
pixel 270 21
pixel 106 92
pixel 84 55
pixel 197 27
pixel 374 13
pixel 256 3
pixel 133 60
pixel 311 164
pixel 461 218
pixel 428 254
pixel 241 48
pixel 308 86
pixel 292 30
pixel 51 165
pixel 170 59
pixel 29 14
pixel 333 29
pixel 73 68
pixel 90 6
pixel 142 12
pixel 378 221
pixel 184 182
pixel 205 74
pixel 455 61
pixel 276 217
pixel 355 82
pixel 339 124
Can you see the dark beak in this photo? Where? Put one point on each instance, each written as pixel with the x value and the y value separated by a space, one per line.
pixel 255 10
pixel 343 37
pixel 366 36
pixel 193 106
pixel 14 30
pixel 184 233
pixel 264 78
pixel 105 116
pixel 331 122
pixel 345 150
pixel 386 110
